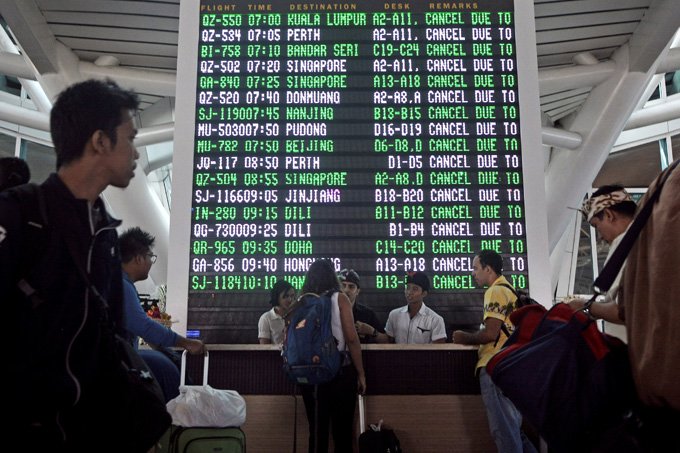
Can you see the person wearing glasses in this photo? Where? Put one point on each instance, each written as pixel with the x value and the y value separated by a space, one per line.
pixel 271 326
pixel 137 259
pixel 365 321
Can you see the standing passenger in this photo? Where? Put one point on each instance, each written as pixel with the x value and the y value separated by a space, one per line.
pixel 366 322
pixel 414 323
pixel 505 421
pixel 61 380
pixel 650 307
pixel 336 400
pixel 271 326
pixel 610 210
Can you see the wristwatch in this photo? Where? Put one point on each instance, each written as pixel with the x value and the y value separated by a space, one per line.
pixel 375 332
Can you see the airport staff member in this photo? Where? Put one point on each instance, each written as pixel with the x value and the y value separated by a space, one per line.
pixel 414 323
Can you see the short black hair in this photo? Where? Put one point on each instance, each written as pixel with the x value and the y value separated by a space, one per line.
pixel 491 258
pixel 280 287
pixel 627 208
pixel 420 279
pixel 134 242
pixel 84 108
pixel 13 172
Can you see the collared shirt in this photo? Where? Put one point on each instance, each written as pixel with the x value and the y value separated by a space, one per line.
pixel 425 327
pixel 271 326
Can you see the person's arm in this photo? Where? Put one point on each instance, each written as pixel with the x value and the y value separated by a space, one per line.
pixel 609 311
pixel 487 334
pixel 263 330
pixel 383 338
pixel 192 346
pixel 10 246
pixel 139 324
pixel 352 339
pixel 386 337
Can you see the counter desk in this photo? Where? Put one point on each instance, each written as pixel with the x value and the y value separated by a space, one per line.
pixel 427 393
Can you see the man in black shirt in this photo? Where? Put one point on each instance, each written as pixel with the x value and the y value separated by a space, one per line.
pixel 365 321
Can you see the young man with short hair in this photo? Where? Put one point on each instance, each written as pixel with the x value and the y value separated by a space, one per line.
pixel 60 274
pixel 414 323
pixel 505 421
pixel 137 258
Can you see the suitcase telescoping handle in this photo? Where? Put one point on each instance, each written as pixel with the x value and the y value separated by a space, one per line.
pixel 362 414
pixel 183 371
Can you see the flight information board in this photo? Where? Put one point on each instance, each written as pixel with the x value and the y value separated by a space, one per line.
pixel 383 136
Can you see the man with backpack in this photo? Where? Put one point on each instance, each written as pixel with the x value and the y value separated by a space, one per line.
pixel 60 275
pixel 505 421
pixel 610 210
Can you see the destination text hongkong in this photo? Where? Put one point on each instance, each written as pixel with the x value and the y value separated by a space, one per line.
pixel 387 6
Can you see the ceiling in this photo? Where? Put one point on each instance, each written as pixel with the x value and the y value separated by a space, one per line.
pixel 143 35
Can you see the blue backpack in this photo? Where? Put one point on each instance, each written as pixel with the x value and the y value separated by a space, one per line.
pixel 310 352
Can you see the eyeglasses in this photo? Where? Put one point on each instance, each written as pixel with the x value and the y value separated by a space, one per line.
pixel 152 257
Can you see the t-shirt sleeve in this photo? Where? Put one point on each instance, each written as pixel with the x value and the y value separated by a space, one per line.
pixel 389 327
pixel 263 330
pixel 438 329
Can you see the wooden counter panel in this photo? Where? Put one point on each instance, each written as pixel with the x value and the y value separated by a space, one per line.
pixel 389 370
pixel 423 423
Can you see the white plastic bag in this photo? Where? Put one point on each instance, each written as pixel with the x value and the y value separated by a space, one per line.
pixel 204 406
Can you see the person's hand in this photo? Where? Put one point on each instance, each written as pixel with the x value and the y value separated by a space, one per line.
pixel 361 384
pixel 363 328
pixel 575 303
pixel 194 346
pixel 458 336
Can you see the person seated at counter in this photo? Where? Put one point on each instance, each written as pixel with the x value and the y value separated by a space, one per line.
pixel 365 321
pixel 137 258
pixel 271 326
pixel 414 323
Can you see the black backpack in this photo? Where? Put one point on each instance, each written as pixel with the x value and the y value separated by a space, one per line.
pixel 523 298
pixel 382 441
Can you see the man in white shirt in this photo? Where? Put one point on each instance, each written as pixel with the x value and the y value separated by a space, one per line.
pixel 414 323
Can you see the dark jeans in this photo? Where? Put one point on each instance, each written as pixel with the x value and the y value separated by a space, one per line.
pixel 336 404
pixel 164 370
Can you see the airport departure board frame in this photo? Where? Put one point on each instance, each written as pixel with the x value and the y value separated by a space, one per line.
pixel 386 136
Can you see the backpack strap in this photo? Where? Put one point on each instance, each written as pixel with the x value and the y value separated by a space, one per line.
pixel 298 302
pixel 606 278
pixel 35 226
pixel 503 328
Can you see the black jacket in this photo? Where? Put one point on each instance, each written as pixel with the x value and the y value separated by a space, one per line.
pixel 63 332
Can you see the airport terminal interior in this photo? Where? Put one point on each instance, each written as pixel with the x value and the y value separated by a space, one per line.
pixel 608 86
